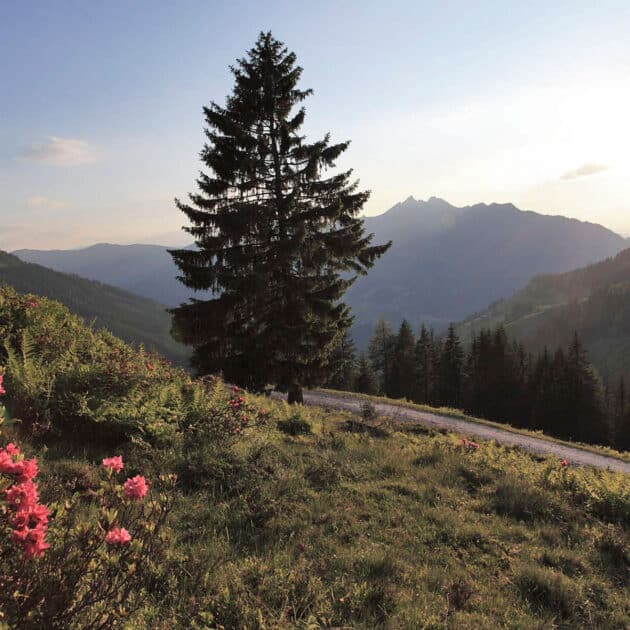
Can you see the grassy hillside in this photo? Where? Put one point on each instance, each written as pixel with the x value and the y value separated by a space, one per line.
pixel 131 317
pixel 301 518
pixel 594 301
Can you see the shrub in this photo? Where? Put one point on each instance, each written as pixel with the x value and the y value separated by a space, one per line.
pixel 295 425
pixel 458 592
pixel 75 563
pixel 368 412
pixel 92 570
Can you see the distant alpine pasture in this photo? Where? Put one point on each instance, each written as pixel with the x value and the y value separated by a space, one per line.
pixel 445 262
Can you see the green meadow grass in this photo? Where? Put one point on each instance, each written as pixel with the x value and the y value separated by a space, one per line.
pixel 387 527
pixel 312 518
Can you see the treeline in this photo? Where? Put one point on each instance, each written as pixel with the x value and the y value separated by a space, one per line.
pixel 556 391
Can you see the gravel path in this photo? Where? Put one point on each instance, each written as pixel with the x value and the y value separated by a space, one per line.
pixel 574 456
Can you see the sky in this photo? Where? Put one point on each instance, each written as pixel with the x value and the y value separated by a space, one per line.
pixel 101 122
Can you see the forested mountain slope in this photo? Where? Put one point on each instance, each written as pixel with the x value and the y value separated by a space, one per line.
pixel 146 270
pixel 131 317
pixel 594 301
pixel 448 262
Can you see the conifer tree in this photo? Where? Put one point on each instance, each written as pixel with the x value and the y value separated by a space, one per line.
pixel 278 239
pixel 366 379
pixel 436 372
pixel 540 391
pixel 342 365
pixel 621 418
pixel 451 364
pixel 380 352
pixel 402 376
pixel 424 367
pixel 585 418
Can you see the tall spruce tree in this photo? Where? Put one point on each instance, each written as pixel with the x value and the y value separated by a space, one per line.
pixel 366 382
pixel 423 391
pixel 380 351
pixel 342 370
pixel 621 417
pixel 278 240
pixel 402 377
pixel 451 370
pixel 585 414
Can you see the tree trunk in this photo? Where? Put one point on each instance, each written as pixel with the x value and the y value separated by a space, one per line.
pixel 295 395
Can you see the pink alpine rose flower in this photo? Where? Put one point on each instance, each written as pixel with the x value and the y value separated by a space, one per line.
pixel 118 536
pixel 12 449
pixel 22 496
pixel 25 470
pixel 114 463
pixel 6 463
pixel 32 540
pixel 136 487
pixel 2 390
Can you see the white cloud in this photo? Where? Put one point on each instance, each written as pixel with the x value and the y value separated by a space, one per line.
pixel 60 151
pixel 584 170
pixel 45 203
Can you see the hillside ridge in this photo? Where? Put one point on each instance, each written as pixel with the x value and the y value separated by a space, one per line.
pixel 132 317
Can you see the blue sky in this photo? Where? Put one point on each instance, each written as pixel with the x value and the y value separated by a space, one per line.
pixel 101 126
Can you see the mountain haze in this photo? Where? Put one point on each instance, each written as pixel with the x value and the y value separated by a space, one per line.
pixel 131 317
pixel 146 270
pixel 445 262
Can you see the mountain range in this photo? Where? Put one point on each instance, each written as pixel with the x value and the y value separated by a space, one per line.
pixel 133 318
pixel 445 263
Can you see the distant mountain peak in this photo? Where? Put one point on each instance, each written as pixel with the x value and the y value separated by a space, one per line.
pixel 438 201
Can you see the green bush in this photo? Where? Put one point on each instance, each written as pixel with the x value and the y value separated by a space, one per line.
pixel 295 425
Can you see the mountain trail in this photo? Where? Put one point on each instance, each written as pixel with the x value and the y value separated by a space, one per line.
pixel 573 455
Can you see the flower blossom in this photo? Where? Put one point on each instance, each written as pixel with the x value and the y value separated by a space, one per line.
pixel 2 390
pixel 118 536
pixel 12 449
pixel 25 470
pixel 114 463
pixel 564 462
pixel 22 495
pixel 29 518
pixel 32 540
pixel 469 444
pixel 22 470
pixel 136 487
